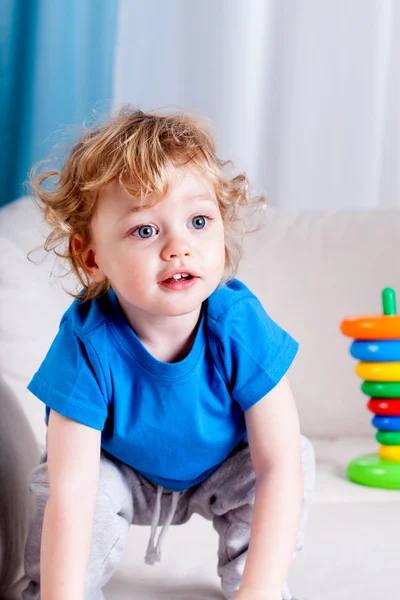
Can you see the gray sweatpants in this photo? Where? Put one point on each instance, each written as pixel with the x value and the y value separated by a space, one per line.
pixel 125 497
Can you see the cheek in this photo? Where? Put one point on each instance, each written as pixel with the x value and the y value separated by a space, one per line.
pixel 113 258
pixel 106 256
pixel 217 249
pixel 222 239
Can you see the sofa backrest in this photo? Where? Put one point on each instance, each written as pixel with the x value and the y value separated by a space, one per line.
pixel 310 270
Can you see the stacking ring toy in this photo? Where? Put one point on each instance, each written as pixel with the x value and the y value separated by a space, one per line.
pixel 376 351
pixel 386 423
pixel 381 390
pixel 377 347
pixel 374 471
pixel 380 406
pixel 390 452
pixel 388 438
pixel 379 371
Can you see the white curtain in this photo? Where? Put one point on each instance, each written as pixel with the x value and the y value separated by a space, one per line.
pixel 304 94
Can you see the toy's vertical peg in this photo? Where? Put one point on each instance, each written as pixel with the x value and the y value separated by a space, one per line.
pixel 389 301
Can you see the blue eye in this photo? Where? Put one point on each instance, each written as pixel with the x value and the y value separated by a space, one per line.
pixel 145 231
pixel 199 222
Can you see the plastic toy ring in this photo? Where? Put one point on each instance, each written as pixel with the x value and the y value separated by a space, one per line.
pixel 384 406
pixel 386 423
pixel 388 438
pixel 372 470
pixel 380 389
pixel 379 351
pixel 390 453
pixel 385 327
pixel 379 371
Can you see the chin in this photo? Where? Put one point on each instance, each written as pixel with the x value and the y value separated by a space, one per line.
pixel 180 309
pixel 180 304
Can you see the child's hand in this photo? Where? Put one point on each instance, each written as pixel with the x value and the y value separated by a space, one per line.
pixel 247 593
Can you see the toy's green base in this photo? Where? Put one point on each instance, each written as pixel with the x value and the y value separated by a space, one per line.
pixel 374 471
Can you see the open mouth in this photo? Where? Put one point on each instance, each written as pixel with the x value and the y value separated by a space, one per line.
pixel 178 278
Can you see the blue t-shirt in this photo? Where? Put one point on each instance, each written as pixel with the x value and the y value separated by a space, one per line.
pixel 175 423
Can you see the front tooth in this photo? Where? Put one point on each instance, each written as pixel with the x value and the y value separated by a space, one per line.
pixel 177 276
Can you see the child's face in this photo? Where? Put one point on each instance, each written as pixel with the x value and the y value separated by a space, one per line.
pixel 137 251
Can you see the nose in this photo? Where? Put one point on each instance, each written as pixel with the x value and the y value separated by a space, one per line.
pixel 175 247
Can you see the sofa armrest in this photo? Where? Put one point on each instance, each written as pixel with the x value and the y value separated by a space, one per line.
pixel 19 454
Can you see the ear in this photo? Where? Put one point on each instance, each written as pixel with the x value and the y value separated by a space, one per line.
pixel 87 258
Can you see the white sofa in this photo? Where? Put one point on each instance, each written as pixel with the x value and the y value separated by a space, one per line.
pixel 310 269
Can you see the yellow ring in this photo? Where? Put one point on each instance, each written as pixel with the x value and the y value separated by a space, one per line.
pixel 378 371
pixel 390 453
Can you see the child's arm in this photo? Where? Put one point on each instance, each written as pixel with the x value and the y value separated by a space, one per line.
pixel 275 447
pixel 73 464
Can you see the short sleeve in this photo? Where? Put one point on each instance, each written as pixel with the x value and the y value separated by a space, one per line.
pixel 254 351
pixel 68 380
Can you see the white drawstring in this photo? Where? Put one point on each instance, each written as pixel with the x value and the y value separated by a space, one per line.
pixel 153 554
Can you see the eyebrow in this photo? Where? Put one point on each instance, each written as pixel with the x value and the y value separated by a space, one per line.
pixel 142 207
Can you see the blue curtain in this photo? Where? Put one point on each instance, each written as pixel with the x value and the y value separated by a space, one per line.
pixel 56 68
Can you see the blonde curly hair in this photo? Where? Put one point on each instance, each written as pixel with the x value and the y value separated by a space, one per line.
pixel 137 149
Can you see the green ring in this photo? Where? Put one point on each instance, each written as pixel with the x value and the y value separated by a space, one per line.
pixel 388 438
pixel 379 389
pixel 374 471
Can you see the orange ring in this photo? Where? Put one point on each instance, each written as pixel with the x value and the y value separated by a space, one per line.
pixel 385 327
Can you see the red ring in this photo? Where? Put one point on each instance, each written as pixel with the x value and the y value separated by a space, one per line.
pixel 384 406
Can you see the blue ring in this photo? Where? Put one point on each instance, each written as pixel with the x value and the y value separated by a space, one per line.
pixel 386 423
pixel 379 351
